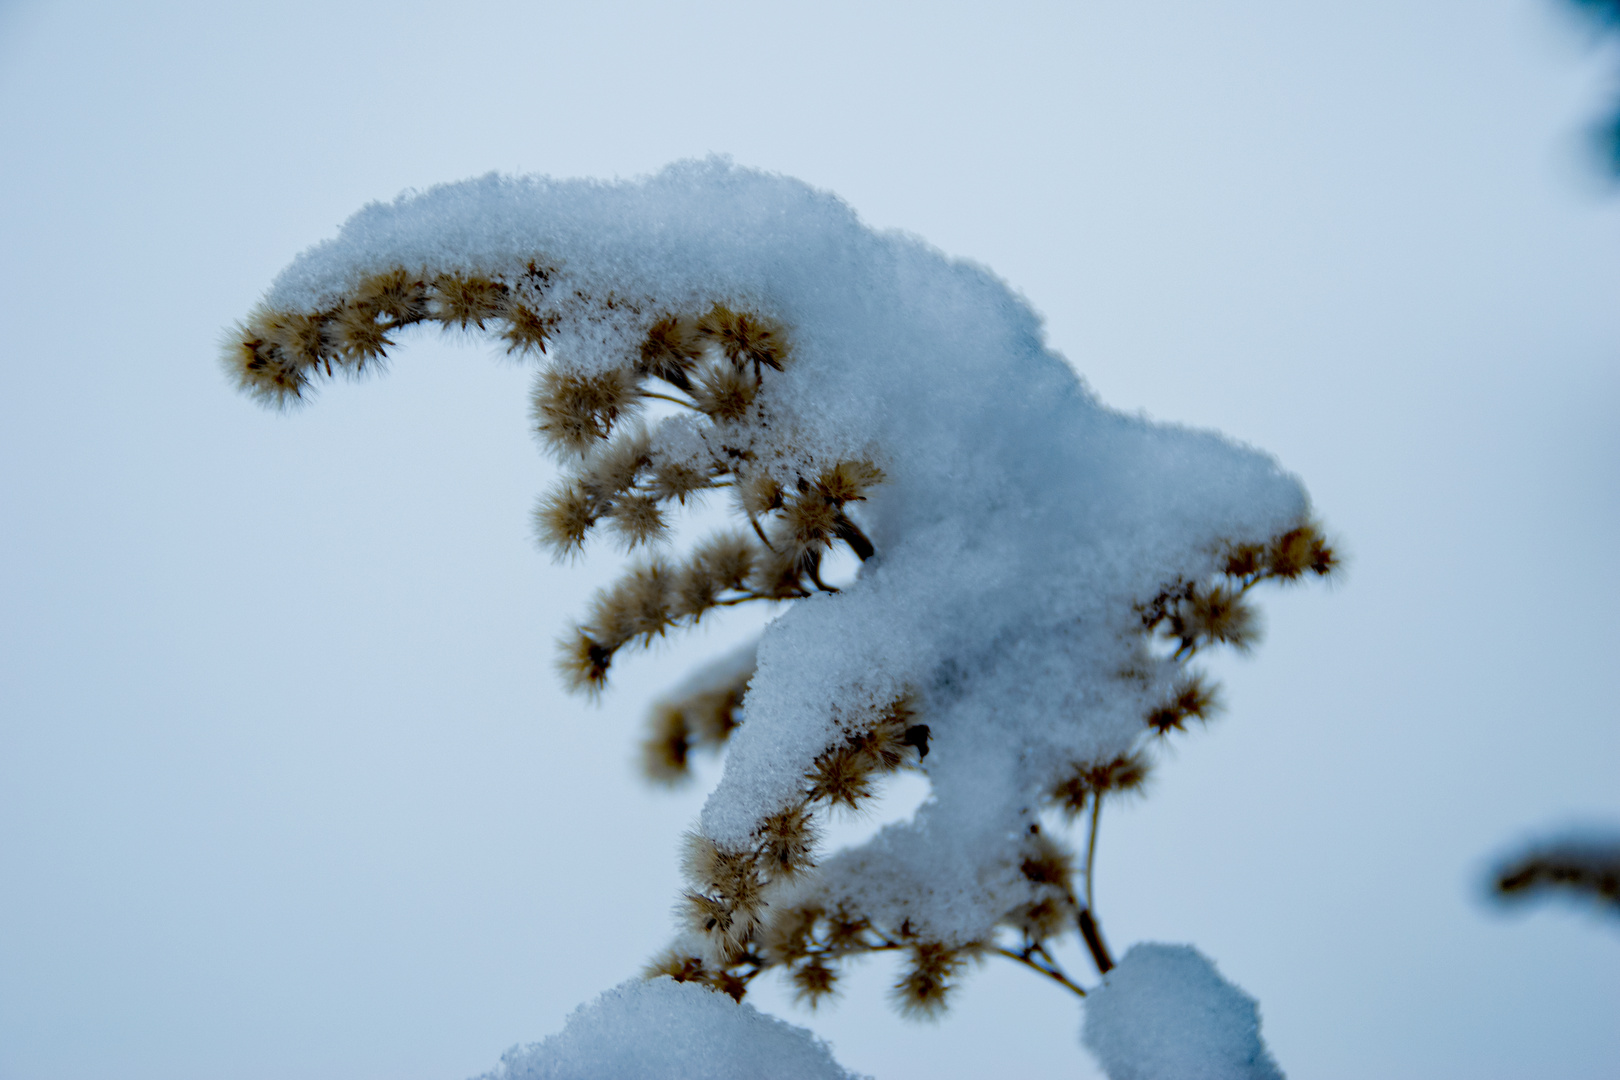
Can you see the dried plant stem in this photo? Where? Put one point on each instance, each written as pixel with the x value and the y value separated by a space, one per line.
pixel 668 397
pixel 1091 847
pixel 1092 935
pixel 1090 932
pixel 1053 972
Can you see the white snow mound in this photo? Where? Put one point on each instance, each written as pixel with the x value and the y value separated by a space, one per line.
pixel 1165 1013
pixel 665 1030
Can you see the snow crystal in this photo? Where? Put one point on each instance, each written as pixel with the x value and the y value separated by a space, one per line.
pixel 1020 522
pixel 1165 1013
pixel 665 1030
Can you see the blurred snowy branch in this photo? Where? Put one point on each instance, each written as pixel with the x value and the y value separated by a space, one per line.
pixel 1579 863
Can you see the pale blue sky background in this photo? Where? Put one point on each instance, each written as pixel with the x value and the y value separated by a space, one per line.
pixel 287 786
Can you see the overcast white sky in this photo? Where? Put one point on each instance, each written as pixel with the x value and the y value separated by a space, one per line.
pixel 287 785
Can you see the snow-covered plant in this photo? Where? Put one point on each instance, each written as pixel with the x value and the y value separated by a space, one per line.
pixel 1028 577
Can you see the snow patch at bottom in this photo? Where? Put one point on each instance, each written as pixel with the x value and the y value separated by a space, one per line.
pixel 1165 1013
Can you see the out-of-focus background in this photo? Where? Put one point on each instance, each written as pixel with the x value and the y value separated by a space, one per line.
pixel 287 784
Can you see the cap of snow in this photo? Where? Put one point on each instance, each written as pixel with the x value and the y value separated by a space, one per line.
pixel 660 1029
pixel 1165 1013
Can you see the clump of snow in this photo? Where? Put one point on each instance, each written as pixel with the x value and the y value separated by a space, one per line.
pixel 660 1029
pixel 1165 1013
pixel 1020 523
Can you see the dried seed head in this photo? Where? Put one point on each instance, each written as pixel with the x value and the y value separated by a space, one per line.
pixel 1244 560
pixel 1296 551
pixel 787 842
pixel 885 745
pixel 704 719
pixel 584 662
pixel 615 467
pixel 808 522
pixel 728 916
pixel 1192 698
pixel 813 981
pixel 526 331
pixel 1046 862
pixel 788 932
pixel 713 716
pixel 703 914
pixel 1290 554
pixel 1051 908
pixel 573 413
pixel 733 986
pixel 262 368
pixel 564 518
pixel 358 335
pixel 1324 560
pixel 758 494
pixel 1219 614
pixel 778 575
pixel 1047 916
pixel 677 965
pixel 846 933
pixel 728 558
pixel 305 339
pixel 702 861
pixel 671 350
pixel 636 606
pixel 922 991
pixel 1071 793
pixel 696 592
pixel 466 300
pixel 674 480
pixel 1128 772
pixel 745 338
pixel 732 876
pixel 396 295
pixel 1080 783
pixel 841 776
pixel 664 752
pixel 724 393
pixel 848 481
pixel 637 521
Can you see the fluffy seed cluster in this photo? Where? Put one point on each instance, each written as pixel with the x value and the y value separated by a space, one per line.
pixel 752 910
pixel 735 893
pixel 625 480
pixel 276 354
pixel 700 715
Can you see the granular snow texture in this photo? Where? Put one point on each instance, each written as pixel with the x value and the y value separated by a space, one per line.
pixel 665 1030
pixel 1165 1013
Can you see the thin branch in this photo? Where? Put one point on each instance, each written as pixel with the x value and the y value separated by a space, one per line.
pixel 667 397
pixel 1056 976
pixel 1091 845
pixel 1091 933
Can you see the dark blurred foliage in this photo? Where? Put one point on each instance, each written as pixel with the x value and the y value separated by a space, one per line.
pixel 1605 14
pixel 1605 11
pixel 1580 865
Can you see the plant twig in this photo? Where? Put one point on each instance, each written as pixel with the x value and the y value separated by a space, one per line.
pixel 1091 845
pixel 1053 973
pixel 1091 933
